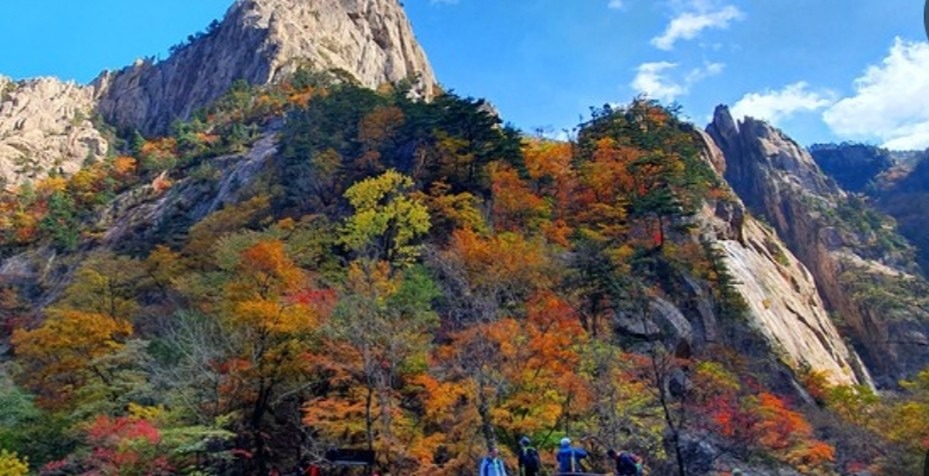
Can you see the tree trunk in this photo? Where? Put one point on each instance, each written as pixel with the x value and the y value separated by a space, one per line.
pixel 483 409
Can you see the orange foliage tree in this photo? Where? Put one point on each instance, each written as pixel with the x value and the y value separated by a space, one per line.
pixel 268 326
pixel 495 272
pixel 500 379
pixel 375 347
pixel 515 206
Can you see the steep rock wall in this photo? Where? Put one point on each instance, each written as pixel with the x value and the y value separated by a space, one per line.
pixel 781 295
pixel 260 41
pixel 780 182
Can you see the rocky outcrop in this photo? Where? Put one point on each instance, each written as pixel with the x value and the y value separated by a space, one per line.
pixel 784 314
pixel 781 295
pixel 140 215
pixel 261 41
pixel 784 305
pixel 45 126
pixel 780 182
pixel 760 158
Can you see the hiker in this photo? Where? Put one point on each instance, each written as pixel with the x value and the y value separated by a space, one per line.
pixel 569 458
pixel 627 464
pixel 492 465
pixel 529 461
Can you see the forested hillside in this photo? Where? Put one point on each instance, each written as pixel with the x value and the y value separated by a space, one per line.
pixel 314 264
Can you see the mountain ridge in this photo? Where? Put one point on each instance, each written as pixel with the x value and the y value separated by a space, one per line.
pixel 258 41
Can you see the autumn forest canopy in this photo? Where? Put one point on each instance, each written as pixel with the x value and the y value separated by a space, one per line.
pixel 411 277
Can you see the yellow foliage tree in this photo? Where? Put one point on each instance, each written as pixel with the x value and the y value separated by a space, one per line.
pixel 58 355
pixel 387 219
pixel 11 465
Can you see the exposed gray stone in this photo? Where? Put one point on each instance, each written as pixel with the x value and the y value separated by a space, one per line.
pixel 45 123
pixel 137 213
pixel 262 41
pixel 780 181
pixel 45 126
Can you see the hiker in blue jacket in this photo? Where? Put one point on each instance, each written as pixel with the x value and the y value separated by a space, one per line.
pixel 627 463
pixel 569 458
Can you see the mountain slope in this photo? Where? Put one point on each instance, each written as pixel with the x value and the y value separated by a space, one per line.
pixel 314 263
pixel 556 248
pixel 45 124
pixel 896 182
pixel 864 271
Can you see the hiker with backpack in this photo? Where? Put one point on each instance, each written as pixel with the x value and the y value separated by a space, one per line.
pixel 492 465
pixel 569 458
pixel 529 461
pixel 627 464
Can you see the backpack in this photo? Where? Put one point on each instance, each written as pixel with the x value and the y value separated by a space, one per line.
pixel 532 460
pixel 489 465
pixel 628 464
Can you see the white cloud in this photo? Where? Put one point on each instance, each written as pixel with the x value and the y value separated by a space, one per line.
pixel 891 100
pixel 654 79
pixel 650 80
pixel 774 106
pixel 688 24
pixel 615 4
pixel 709 69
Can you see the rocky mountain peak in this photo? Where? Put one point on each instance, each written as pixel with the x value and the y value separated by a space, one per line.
pixel 261 41
pixel 768 147
pixel 45 126
pixel 779 181
pixel 724 129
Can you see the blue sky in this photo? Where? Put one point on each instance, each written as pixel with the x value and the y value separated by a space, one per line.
pixel 823 70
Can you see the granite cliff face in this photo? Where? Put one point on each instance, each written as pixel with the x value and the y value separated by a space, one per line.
pixel 848 258
pixel 785 306
pixel 261 41
pixel 784 316
pixel 780 293
pixel 45 126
